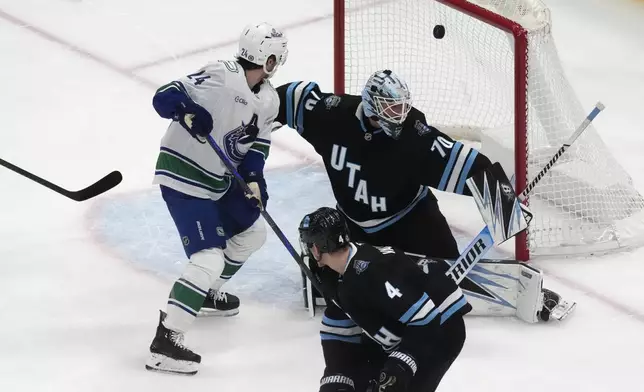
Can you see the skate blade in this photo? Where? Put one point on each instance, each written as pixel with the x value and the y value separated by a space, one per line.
pixel 562 310
pixel 217 313
pixel 164 364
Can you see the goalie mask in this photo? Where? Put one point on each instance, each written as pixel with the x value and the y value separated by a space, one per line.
pixel 259 42
pixel 387 98
pixel 328 231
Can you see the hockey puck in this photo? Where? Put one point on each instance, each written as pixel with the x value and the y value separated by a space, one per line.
pixel 439 31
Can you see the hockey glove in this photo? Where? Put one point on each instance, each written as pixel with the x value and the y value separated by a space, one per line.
pixel 396 374
pixel 257 185
pixel 256 196
pixel 194 118
pixel 336 383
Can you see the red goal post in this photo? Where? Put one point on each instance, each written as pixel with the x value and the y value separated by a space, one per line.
pixel 496 78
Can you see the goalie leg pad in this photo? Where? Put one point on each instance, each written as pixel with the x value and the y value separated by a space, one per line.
pixel 530 297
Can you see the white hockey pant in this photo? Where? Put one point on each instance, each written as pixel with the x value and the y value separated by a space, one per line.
pixel 210 268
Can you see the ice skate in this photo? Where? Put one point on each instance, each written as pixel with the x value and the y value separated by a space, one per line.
pixel 169 355
pixel 554 307
pixel 219 303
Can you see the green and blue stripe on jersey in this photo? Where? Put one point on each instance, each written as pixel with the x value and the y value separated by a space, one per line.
pixel 177 166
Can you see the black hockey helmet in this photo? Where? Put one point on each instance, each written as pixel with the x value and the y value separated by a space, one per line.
pixel 326 228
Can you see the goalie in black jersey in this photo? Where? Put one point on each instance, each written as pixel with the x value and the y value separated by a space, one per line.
pixel 412 321
pixel 381 156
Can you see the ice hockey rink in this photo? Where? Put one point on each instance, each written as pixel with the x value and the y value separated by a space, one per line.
pixel 82 282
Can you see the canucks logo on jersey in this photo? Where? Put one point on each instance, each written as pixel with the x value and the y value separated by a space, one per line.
pixel 239 140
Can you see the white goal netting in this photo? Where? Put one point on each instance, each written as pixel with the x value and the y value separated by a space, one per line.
pixel 466 84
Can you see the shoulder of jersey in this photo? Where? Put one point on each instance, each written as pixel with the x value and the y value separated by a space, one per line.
pixel 362 260
pixel 228 71
pixel 417 124
pixel 270 98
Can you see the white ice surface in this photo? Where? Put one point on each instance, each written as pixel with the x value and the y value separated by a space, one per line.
pixel 83 282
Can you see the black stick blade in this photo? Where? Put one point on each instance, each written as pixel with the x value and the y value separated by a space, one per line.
pixel 101 186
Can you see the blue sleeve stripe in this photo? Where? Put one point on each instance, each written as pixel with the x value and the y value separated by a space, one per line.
pixel 338 323
pixel 453 309
pixel 348 339
pixel 414 308
pixel 466 170
pixel 265 141
pixel 300 107
pixel 289 104
pixel 456 149
pixel 427 319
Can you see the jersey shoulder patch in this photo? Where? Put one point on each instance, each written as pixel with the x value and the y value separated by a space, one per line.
pixel 418 123
pixel 229 66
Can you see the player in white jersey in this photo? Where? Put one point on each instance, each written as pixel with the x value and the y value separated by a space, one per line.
pixel 218 224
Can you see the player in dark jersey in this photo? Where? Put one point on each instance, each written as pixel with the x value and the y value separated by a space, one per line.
pixel 381 155
pixel 415 318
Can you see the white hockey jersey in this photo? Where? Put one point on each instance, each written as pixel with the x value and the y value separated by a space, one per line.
pixel 191 167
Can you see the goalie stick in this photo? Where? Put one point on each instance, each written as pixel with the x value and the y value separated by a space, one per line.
pixel 482 243
pixel 103 185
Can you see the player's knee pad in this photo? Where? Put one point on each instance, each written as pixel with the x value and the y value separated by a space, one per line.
pixel 204 267
pixel 241 246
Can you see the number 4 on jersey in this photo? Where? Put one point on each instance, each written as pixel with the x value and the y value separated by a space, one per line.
pixel 198 78
pixel 392 292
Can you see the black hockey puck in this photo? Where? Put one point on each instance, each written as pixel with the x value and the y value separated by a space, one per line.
pixel 439 31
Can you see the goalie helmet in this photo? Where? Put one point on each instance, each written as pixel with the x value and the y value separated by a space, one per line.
pixel 258 42
pixel 387 98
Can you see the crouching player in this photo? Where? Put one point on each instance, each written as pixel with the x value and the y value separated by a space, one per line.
pixel 401 329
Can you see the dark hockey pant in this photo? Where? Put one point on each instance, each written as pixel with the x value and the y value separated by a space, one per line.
pixel 439 359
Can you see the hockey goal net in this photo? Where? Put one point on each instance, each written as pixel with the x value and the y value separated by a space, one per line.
pixel 495 78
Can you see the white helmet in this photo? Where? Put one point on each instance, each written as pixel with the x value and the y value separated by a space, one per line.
pixel 258 42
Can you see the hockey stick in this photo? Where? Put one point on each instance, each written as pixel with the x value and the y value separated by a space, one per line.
pixel 103 185
pixel 482 243
pixel 580 129
pixel 264 213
